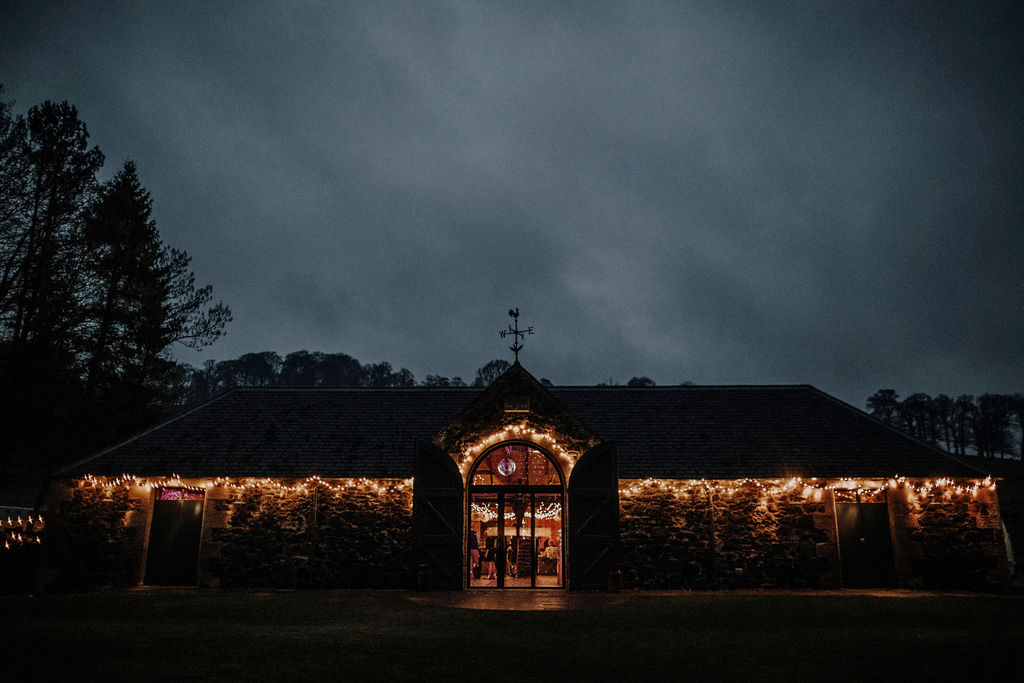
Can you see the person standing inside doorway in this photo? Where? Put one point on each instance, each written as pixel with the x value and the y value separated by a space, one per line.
pixel 474 553
pixel 490 555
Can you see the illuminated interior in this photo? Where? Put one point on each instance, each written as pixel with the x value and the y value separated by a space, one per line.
pixel 515 536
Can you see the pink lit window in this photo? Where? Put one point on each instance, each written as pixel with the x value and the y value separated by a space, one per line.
pixel 179 494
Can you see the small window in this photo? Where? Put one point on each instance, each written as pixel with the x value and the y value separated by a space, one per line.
pixel 180 494
pixel 517 404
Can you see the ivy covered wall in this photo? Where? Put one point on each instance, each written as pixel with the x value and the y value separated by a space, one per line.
pixel 679 534
pixel 316 536
pixel 758 534
pixel 94 537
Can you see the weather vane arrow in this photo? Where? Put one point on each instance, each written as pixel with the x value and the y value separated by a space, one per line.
pixel 516 333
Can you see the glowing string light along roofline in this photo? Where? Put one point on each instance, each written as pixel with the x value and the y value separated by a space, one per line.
pixel 380 485
pixel 922 486
pixel 808 486
pixel 20 532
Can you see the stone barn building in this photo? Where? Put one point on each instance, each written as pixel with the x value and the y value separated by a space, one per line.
pixel 526 486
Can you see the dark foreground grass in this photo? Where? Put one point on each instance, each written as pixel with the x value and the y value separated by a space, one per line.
pixel 363 635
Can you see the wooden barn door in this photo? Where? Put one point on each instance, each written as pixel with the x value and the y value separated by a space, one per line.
pixel 174 535
pixel 865 544
pixel 593 518
pixel 436 519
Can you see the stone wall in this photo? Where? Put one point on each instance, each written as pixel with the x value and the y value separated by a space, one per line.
pixel 760 534
pixel 949 539
pixel 679 534
pixel 664 531
pixel 355 536
pixel 268 534
pixel 773 540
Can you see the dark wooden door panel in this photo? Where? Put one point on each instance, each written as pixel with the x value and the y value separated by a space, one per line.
pixel 593 518
pixel 174 542
pixel 865 545
pixel 437 513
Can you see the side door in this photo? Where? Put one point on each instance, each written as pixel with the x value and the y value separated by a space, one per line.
pixel 865 544
pixel 174 535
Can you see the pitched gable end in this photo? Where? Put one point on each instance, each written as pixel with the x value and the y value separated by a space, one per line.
pixel 515 407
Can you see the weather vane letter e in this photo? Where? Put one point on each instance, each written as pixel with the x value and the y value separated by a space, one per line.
pixel 516 333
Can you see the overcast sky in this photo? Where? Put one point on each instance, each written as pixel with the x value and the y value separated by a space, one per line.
pixel 720 192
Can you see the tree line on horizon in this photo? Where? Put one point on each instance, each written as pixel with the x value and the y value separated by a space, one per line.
pixel 990 426
pixel 317 369
pixel 91 298
pixel 311 369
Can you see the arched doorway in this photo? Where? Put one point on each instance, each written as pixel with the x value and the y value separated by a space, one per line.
pixel 516 533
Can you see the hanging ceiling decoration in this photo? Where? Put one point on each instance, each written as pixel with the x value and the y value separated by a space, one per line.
pixel 507 466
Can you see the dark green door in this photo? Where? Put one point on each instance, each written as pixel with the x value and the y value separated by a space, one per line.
pixel 865 545
pixel 436 519
pixel 593 518
pixel 174 538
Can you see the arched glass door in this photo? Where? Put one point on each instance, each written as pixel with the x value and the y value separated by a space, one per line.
pixel 515 537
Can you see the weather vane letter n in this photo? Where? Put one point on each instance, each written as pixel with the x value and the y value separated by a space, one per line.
pixel 516 333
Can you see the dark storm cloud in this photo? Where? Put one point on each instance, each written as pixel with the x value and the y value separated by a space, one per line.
pixel 806 192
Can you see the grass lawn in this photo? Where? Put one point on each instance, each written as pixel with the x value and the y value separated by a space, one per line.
pixel 157 635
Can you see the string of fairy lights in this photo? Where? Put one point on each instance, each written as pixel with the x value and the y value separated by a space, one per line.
pixel 808 487
pixel 378 486
pixel 19 532
pixel 520 431
pixel 812 487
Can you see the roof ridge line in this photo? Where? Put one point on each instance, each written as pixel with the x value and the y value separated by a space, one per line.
pixel 661 387
pixel 344 388
pixel 684 386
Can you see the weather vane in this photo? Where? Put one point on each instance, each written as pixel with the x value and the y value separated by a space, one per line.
pixel 516 333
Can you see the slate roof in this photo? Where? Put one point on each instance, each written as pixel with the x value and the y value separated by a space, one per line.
pixel 671 432
pixel 751 431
